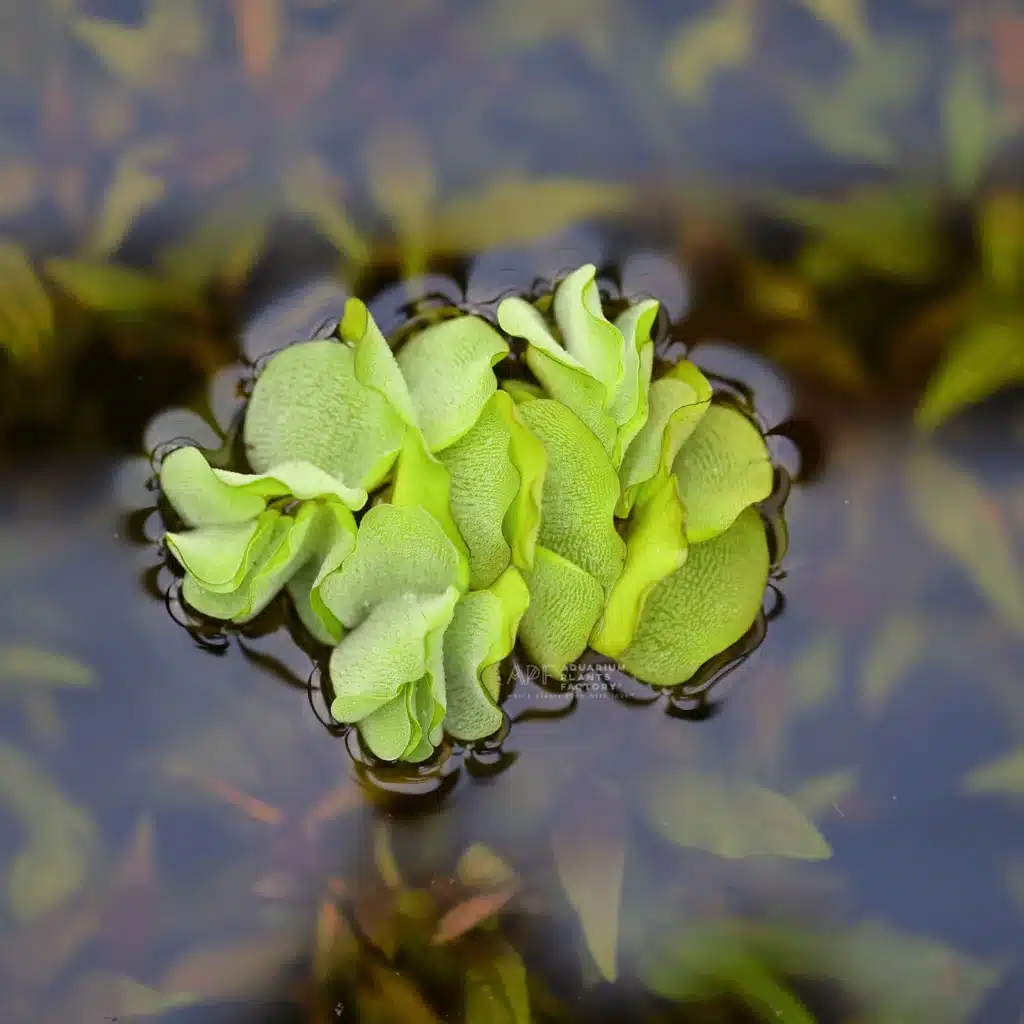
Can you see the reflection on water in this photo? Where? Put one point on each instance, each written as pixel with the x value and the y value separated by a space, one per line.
pixel 180 830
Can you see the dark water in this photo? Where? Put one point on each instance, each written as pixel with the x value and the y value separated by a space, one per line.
pixel 179 831
pixel 207 760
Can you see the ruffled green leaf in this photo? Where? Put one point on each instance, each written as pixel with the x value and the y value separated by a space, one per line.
pixel 204 496
pixel 703 608
pixel 482 633
pixel 521 390
pixel 565 604
pixel 588 337
pixel 581 490
pixel 333 545
pixel 677 402
pixel 564 378
pixel 449 372
pixel 630 407
pixel 655 548
pixel 497 475
pixel 722 469
pixel 399 551
pixel 220 557
pixel 292 542
pixel 422 481
pixel 378 666
pixel 309 406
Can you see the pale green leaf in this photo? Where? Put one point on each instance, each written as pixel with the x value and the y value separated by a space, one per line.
pixel 824 793
pixel 565 604
pixel 563 377
pixel 481 868
pixel 706 46
pixel 587 335
pixel 204 496
pixel 987 357
pixel 1002 777
pixel 481 634
pixel 848 117
pixel 26 316
pixel 513 210
pixel 309 406
pixel 61 840
pixel 630 406
pixel 730 818
pixel 422 481
pixel 589 846
pixel 817 671
pixel 952 508
pixel 220 557
pixel 894 650
pixel 398 551
pixel 972 123
pixel 723 468
pixel 490 505
pixel 655 548
pixel 20 663
pixel 676 403
pixel 449 372
pixel 118 290
pixel 704 608
pixel 581 490
pixel 522 390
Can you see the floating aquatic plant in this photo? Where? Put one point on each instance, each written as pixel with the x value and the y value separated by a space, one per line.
pixel 590 506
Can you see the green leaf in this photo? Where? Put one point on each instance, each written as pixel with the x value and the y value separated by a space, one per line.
pixel 817 671
pixel 730 818
pixel 723 468
pixel 20 663
pixel 954 511
pixel 491 506
pixel 704 608
pixel 513 210
pixel 589 845
pixel 848 117
pixel 986 358
pixel 563 377
pixel 26 316
pixel 204 496
pixel 329 549
pixel 1002 777
pixel 630 406
pixel 422 481
pixel 845 17
pixel 971 121
pixel 220 557
pixel 449 371
pixel 61 840
pixel 399 551
pixel 480 867
pixel 894 650
pixel 888 231
pixel 677 402
pixel 496 989
pixel 482 633
pixel 120 291
pixel 565 604
pixel 309 406
pixel 378 667
pixel 823 793
pixel 1001 231
pixel 521 390
pixel 133 189
pixel 655 548
pixel 704 47
pixel 581 490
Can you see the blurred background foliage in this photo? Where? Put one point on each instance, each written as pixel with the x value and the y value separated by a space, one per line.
pixel 805 153
pixel 840 180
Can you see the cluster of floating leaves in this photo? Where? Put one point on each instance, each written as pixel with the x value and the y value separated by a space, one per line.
pixel 579 504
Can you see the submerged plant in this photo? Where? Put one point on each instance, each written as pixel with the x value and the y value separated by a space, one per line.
pixel 590 506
